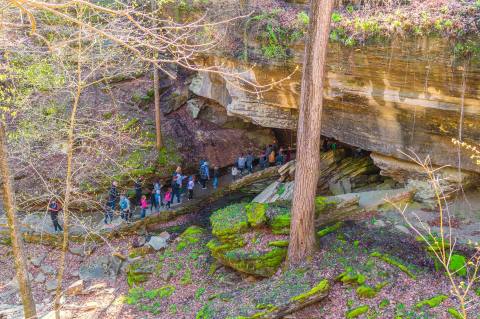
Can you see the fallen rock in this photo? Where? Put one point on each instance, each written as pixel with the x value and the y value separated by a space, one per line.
pixel 37 261
pixel 75 288
pixel 40 278
pixel 194 106
pixel 78 250
pixel 164 235
pixel 102 267
pixel 51 285
pixel 47 269
pixel 157 242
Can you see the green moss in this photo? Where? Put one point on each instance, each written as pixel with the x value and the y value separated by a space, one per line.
pixel 366 292
pixel 354 313
pixel 191 235
pixel 256 214
pixel 321 204
pixel 330 229
pixel 350 276
pixel 206 312
pixel 281 224
pixel 432 302
pixel 384 303
pixel 278 243
pixel 230 220
pixel 395 263
pixel 251 262
pixel 455 313
pixel 130 124
pixel 322 287
pixel 135 276
pixel 458 265
pixel 187 277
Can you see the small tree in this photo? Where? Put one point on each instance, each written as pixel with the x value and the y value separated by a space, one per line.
pixel 15 233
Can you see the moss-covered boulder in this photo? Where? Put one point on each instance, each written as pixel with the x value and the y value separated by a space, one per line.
pixel 244 239
pixel 261 263
pixel 256 214
pixel 253 237
pixel 229 222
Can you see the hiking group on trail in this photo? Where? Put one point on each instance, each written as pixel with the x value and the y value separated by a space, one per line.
pixel 163 196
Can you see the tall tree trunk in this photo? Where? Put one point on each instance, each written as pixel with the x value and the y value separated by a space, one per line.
pixel 15 233
pixel 302 228
pixel 156 92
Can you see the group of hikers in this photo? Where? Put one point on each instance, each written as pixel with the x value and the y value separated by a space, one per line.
pixel 164 195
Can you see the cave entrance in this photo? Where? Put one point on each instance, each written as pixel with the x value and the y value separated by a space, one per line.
pixel 285 138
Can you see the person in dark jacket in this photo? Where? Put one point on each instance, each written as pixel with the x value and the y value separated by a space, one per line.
pixel 138 191
pixel 54 208
pixel 249 162
pixel 111 203
pixel 216 175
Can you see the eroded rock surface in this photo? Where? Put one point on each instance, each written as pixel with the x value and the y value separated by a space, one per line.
pixel 389 99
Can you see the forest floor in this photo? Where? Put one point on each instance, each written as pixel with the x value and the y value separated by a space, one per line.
pixel 184 281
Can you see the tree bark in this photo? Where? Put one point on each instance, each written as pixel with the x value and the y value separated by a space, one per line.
pixel 15 233
pixel 302 229
pixel 156 93
pixel 69 177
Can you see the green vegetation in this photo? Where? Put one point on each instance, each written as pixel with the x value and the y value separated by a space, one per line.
pixel 206 312
pixel 432 302
pixel 256 214
pixel 149 300
pixel 394 262
pixel 275 36
pixel 229 221
pixel 322 287
pixel 190 236
pixel 356 312
pixel 278 243
pixel 366 292
pixel 330 229
pixel 357 27
pixel 455 313
pixel 351 276
pixel 458 265
pixel 135 275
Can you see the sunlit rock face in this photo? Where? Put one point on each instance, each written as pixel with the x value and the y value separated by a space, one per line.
pixel 401 98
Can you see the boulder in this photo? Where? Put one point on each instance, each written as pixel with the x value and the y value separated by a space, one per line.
pixel 77 250
pixel 232 226
pixel 101 267
pixel 165 235
pixel 173 98
pixel 75 288
pixel 194 106
pixel 51 285
pixel 47 269
pixel 40 278
pixel 37 261
pixel 157 242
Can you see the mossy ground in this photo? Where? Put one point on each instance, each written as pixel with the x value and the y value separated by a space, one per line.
pixel 204 289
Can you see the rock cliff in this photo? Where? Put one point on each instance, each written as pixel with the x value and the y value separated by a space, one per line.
pixel 409 96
